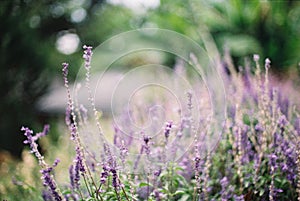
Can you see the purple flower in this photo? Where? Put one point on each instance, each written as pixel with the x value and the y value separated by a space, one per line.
pixel 226 191
pixel 190 104
pixel 73 131
pixel 87 55
pixel 43 133
pixel 146 139
pixel 65 72
pixel 47 178
pixel 187 168
pixel 116 135
pixel 49 182
pixel 224 182
pixel 283 103
pixel 272 162
pixel 104 174
pixel 246 145
pixel 79 160
pixel 123 151
pixel 68 116
pixel 115 182
pixel 288 165
pixel 46 195
pixel 158 195
pixel 168 128
pixel 197 163
pixel 259 128
pixel 28 133
pixel 282 122
pixel 72 177
pixel 56 162
pixel 78 168
pixel 76 173
pixel 65 69
pixel 238 198
pixel 157 172
pixel 31 140
pixel 146 146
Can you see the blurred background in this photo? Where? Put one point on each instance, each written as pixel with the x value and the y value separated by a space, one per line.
pixel 38 35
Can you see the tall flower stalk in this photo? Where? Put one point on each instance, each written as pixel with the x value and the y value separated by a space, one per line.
pixel 79 167
pixel 47 176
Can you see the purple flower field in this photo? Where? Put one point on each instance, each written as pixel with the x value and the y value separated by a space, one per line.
pixel 255 158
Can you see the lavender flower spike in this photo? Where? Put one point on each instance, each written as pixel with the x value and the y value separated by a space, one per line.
pixel 49 181
pixel 87 56
pixel 168 128
pixel 47 177
pixel 43 133
pixel 65 72
pixel 31 140
pixel 104 174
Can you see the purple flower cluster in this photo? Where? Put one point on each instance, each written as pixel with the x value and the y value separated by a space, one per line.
pixel 47 177
pixel 31 141
pixel 168 128
pixel 77 169
pixel 49 182
pixel 256 155
pixel 146 145
pixel 226 189
pixel 104 174
pixel 158 195
pixel 87 56
pixel 65 71
pixel 288 164
pixel 106 170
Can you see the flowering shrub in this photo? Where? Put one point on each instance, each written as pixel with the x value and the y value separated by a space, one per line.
pixel 257 157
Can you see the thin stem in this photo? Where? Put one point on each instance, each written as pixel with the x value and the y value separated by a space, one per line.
pixel 124 192
pixel 117 194
pixel 87 186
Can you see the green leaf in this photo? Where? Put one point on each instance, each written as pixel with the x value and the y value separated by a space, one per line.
pixel 185 197
pixel 261 192
pixel 66 192
pixel 142 184
pixel 247 183
pixel 179 192
pixel 177 168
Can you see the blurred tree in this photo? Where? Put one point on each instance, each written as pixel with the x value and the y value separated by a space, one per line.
pixel 28 60
pixel 23 57
pixel 269 28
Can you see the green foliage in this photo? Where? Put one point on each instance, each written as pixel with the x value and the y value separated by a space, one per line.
pixel 268 28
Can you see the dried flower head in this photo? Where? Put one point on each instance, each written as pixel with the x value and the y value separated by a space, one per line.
pixel 267 63
pixel 256 57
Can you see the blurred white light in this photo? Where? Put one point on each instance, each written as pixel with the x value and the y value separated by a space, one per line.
pixel 78 15
pixel 67 43
pixel 137 5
